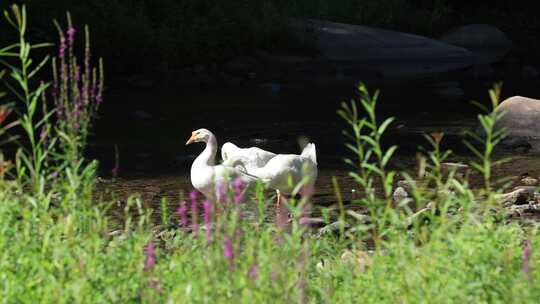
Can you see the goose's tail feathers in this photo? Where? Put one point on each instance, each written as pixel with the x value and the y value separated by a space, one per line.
pixel 310 152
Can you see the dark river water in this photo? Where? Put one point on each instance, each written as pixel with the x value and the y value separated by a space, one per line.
pixel 149 128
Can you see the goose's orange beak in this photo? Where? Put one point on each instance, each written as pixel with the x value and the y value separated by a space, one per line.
pixel 191 139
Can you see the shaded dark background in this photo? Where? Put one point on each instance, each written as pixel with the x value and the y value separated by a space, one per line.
pixel 137 35
pixel 148 45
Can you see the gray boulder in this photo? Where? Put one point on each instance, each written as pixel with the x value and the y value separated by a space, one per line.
pixel 392 54
pixel 487 43
pixel 521 120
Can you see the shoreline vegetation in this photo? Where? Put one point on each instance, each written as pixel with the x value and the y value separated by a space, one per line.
pixel 446 242
pixel 141 36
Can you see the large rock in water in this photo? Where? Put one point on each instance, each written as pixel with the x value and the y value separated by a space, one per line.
pixel 521 121
pixel 487 43
pixel 392 54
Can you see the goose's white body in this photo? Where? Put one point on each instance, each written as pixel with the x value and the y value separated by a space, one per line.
pixel 206 176
pixel 249 158
pixel 281 172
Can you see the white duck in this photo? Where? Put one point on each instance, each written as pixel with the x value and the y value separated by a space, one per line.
pixel 206 176
pixel 282 172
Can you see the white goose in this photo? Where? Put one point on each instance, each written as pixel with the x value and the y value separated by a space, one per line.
pixel 248 158
pixel 206 176
pixel 282 172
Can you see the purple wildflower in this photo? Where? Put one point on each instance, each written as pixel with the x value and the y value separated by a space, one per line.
pixel 221 192
pixel 239 186
pixel 92 92
pixel 228 250
pixel 62 48
pixel 76 125
pixel 194 211
pixel 207 206
pixel 526 258
pixel 193 195
pixel 71 35
pixel 99 98
pixel 77 108
pixel 77 74
pixel 182 212
pixel 253 272
pixel 150 256
pixel 54 175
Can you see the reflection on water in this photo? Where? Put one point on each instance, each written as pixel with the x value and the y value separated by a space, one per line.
pixel 151 127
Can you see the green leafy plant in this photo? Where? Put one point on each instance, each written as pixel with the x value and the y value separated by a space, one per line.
pixel 29 160
pixel 63 245
pixel 492 136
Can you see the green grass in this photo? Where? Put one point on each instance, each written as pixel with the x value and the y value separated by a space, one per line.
pixel 57 243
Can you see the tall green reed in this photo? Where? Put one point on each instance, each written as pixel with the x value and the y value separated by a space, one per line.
pixel 22 71
pixel 54 137
pixel 371 158
pixel 436 195
pixel 490 135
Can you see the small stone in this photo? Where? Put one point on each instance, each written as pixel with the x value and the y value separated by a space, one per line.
pixel 520 122
pixel 529 181
pixel 530 190
pixel 399 195
pixel 536 196
pixel 407 185
pixel 516 197
pixel 526 207
pixel 361 260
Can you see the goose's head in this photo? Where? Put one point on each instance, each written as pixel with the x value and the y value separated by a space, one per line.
pixel 201 135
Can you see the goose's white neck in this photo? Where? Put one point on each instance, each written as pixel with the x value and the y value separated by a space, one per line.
pixel 208 155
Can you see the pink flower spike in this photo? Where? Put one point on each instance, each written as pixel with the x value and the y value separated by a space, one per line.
pixel 253 272
pixel 77 74
pixel 71 35
pixel 221 192
pixel 150 256
pixel 239 186
pixel 62 48
pixel 182 212
pixel 207 206
pixel 194 215
pixel 228 250
pixel 193 195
